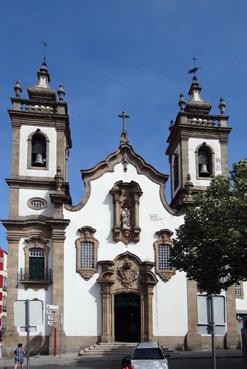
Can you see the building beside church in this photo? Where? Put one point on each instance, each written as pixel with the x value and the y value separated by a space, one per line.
pixel 3 290
pixel 106 261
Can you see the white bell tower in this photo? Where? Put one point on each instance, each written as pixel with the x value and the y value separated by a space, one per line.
pixel 197 146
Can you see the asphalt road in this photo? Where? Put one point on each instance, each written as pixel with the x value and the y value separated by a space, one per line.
pixel 185 363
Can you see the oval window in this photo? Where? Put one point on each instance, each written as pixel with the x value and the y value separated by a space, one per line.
pixel 37 203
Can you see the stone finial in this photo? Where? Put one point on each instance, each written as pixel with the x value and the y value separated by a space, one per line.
pixel 18 89
pixel 43 76
pixel 61 93
pixel 181 102
pixel 59 179
pixel 222 106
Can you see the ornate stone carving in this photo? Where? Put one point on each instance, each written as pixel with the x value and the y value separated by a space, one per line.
pixel 127 273
pixel 126 211
pixel 86 273
pixel 163 240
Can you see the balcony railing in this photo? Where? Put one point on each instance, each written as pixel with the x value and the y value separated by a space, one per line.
pixel 35 277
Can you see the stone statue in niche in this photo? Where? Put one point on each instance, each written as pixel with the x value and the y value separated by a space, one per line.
pixel 125 218
pixel 125 196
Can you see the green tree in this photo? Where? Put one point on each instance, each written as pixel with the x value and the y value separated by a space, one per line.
pixel 211 245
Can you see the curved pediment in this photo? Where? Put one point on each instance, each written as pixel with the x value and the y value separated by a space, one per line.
pixel 125 155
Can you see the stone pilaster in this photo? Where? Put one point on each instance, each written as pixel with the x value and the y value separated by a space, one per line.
pixel 224 156
pixel 148 314
pixel 232 336
pixel 193 339
pixel 106 313
pixel 58 237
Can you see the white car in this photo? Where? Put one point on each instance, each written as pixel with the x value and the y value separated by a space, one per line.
pixel 149 355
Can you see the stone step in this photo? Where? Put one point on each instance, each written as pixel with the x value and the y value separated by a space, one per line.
pixel 109 349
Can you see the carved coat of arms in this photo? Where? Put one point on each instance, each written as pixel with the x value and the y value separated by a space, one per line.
pixel 127 274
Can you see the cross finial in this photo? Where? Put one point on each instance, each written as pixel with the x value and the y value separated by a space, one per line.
pixel 45 45
pixel 124 116
pixel 124 137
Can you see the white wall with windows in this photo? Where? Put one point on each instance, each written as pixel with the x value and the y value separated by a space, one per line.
pixel 25 208
pixel 170 299
pixel 45 295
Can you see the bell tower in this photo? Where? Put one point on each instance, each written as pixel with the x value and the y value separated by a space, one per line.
pixel 38 190
pixel 41 142
pixel 197 146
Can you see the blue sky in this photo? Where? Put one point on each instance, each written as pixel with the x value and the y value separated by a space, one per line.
pixel 131 55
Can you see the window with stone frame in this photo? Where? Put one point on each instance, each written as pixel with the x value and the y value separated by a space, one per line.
pixel 204 161
pixel 162 249
pixel 239 291
pixel 38 150
pixel 86 252
pixel 36 270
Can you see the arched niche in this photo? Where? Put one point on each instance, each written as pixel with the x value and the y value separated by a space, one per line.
pixel 125 197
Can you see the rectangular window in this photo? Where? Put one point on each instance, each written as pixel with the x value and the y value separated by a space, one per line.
pixel 5 284
pixel 4 303
pixel 4 322
pixel 87 257
pixel 238 290
pixel 164 257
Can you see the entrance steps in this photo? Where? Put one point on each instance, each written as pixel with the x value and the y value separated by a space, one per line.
pixel 118 349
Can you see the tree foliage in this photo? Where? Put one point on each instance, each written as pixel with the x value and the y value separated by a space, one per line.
pixel 211 245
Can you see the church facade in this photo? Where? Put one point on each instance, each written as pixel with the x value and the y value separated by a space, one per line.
pixel 105 262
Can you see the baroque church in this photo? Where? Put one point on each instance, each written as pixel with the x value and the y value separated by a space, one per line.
pixel 105 262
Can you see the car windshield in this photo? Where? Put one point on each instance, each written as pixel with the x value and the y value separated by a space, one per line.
pixel 148 354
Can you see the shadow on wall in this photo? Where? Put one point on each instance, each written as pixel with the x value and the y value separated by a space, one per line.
pixel 39 345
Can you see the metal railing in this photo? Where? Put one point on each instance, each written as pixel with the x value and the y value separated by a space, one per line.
pixel 25 275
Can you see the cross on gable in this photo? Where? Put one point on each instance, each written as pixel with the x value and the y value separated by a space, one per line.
pixel 124 116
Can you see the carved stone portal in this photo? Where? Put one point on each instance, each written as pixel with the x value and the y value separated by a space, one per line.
pixel 126 211
pixel 126 274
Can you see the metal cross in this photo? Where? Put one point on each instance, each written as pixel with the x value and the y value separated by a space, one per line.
pixel 194 60
pixel 124 116
pixel 45 45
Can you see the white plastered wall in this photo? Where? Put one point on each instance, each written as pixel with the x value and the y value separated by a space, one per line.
pixel 26 194
pixel 85 305
pixel 25 132
pixel 44 295
pixel 193 144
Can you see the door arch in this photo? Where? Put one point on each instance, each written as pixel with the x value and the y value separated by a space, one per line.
pixel 127 317
pixel 128 276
